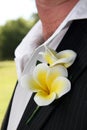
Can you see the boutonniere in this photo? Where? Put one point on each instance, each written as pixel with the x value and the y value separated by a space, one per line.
pixel 49 81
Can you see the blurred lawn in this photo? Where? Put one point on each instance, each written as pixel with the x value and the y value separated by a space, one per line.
pixel 8 79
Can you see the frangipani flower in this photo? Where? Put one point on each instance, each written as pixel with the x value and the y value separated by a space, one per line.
pixel 65 58
pixel 49 83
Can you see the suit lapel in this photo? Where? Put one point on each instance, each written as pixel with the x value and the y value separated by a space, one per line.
pixel 75 39
pixel 39 119
pixel 28 111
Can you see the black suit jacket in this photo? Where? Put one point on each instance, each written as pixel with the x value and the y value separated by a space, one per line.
pixel 70 111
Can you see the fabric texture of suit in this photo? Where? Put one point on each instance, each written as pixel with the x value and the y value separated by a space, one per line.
pixel 70 111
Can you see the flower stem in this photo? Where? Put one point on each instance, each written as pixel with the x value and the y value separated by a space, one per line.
pixel 34 112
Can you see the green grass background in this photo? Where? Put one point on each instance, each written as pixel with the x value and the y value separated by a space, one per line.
pixel 8 79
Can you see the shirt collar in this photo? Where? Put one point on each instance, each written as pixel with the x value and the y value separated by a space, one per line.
pixel 34 37
pixel 31 39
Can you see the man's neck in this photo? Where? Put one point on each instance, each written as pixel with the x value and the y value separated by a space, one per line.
pixel 52 13
pixel 51 3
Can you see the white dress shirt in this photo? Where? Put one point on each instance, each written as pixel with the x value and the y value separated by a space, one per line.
pixel 26 55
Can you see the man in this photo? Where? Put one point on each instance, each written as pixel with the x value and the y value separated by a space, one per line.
pixel 63 26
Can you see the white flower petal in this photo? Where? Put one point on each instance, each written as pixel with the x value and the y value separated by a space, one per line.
pixel 49 55
pixel 43 99
pixel 29 83
pixel 67 57
pixel 61 86
pixel 40 74
pixel 50 51
pixel 55 72
pixel 64 61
